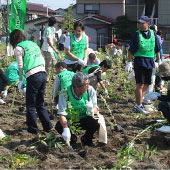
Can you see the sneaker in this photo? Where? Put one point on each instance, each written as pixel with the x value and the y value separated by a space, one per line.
pixel 150 108
pixel 2 101
pixel 140 109
pixel 146 102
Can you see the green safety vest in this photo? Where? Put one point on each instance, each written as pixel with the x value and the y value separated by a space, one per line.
pixel 77 48
pixel 12 74
pixel 32 55
pixel 65 78
pixel 79 106
pixel 86 70
pixel 146 46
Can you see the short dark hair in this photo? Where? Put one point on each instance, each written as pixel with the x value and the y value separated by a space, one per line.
pixel 16 37
pixel 52 21
pixel 61 64
pixel 78 24
pixel 59 26
pixel 106 63
pixel 92 56
pixel 159 32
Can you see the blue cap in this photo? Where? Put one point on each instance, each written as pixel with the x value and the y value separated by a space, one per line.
pixel 143 19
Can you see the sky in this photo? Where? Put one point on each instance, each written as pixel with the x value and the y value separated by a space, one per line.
pixel 55 4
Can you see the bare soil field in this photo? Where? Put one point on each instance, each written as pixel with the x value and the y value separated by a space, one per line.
pixel 12 121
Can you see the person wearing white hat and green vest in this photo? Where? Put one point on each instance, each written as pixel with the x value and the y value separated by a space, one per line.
pixel 76 48
pixel 144 47
pixel 30 60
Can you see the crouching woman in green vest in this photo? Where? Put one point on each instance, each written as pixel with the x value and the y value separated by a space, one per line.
pixel 12 74
pixel 83 100
pixel 31 61
pixel 62 81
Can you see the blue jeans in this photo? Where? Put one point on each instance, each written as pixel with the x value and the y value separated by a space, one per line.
pixel 165 109
pixel 36 85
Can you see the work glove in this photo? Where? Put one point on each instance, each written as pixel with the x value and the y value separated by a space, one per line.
pixel 20 86
pixel 129 67
pixel 66 134
pixel 81 62
pixel 159 62
pixel 4 94
pixel 105 92
pixel 107 57
pixel 89 106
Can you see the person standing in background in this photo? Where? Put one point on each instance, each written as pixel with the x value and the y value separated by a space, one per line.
pixel 41 35
pixel 58 33
pixel 62 41
pixel 49 48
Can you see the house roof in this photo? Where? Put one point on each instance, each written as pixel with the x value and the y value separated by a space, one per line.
pixel 101 18
pixel 44 20
pixel 38 7
pixel 104 18
pixel 98 26
pixel 58 19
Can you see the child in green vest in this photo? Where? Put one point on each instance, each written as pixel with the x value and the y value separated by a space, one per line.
pixel 62 81
pixel 12 74
pixel 94 73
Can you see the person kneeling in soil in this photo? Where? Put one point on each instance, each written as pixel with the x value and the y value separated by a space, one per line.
pixel 3 87
pixel 164 105
pixel 30 60
pixel 62 81
pixel 12 74
pixel 94 73
pixel 84 101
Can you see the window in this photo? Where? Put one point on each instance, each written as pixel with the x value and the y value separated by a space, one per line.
pixel 134 2
pixel 91 8
pixel 80 8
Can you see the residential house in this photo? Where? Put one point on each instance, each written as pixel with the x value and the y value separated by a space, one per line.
pixel 32 27
pixel 157 10
pixel 99 17
pixel 37 11
pixel 36 16
pixel 60 12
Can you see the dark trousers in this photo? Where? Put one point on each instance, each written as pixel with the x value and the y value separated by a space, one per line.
pixel 74 67
pixel 165 109
pixel 36 85
pixel 41 43
pixel 89 124
pixel 61 47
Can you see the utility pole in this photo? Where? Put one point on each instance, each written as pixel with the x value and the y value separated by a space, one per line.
pixel 137 14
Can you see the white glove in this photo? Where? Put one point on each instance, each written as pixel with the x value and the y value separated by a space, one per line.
pixel 159 62
pixel 89 106
pixel 105 92
pixel 4 93
pixel 81 62
pixel 129 67
pixel 20 86
pixel 106 57
pixel 66 134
